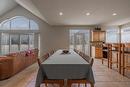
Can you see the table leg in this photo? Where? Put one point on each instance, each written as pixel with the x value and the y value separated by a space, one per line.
pixel 65 83
pixel 92 85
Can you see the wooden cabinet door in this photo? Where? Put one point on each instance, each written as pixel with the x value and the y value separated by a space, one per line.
pixel 98 52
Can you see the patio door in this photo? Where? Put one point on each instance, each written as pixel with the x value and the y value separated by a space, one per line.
pixel 79 39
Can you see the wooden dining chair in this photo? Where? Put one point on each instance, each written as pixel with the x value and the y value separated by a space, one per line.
pixel 125 57
pixel 44 57
pixel 105 51
pixel 51 52
pixel 113 49
pixel 39 62
pixel 75 81
pixel 107 54
pixel 75 50
pixel 86 57
pixel 89 59
pixel 51 81
pixel 81 54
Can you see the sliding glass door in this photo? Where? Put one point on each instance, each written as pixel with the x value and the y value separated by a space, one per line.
pixel 79 39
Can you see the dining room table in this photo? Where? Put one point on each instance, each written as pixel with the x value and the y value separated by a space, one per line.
pixel 64 66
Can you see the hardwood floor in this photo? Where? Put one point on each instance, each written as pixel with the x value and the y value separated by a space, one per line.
pixel 104 77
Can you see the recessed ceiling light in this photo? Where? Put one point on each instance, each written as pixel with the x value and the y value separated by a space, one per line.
pixel 114 14
pixel 88 14
pixel 60 13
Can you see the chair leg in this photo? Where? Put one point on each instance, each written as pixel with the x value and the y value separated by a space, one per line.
pixel 108 62
pixel 61 85
pixel 102 60
pixel 92 85
pixel 85 85
pixel 123 66
pixel 78 85
pixel 117 60
pixel 68 84
pixel 46 84
pixel 111 61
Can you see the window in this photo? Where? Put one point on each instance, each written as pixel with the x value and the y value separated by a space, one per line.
pixel 19 23
pixel 22 36
pixel 31 40
pixel 5 25
pixel 14 43
pixel 125 35
pixel 4 43
pixel 112 36
pixel 24 42
pixel 33 25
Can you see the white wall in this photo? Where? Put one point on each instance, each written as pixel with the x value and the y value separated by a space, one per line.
pixel 60 38
pixel 61 35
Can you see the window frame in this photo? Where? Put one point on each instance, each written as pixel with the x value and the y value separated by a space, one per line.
pixel 17 17
pixel 19 31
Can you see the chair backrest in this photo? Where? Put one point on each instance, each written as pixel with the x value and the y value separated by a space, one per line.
pixel 77 51
pixel 39 62
pixel 44 57
pixel 81 54
pixel 51 52
pixel 91 61
pixel 86 57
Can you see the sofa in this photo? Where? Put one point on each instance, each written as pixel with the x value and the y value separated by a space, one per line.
pixel 13 63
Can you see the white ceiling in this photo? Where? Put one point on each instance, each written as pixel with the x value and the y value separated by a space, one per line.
pixel 6 5
pixel 74 11
pixel 27 4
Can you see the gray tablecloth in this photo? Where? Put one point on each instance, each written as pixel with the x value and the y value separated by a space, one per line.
pixel 65 70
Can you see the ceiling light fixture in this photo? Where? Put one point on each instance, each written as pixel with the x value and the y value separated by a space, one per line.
pixel 87 14
pixel 60 13
pixel 114 14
